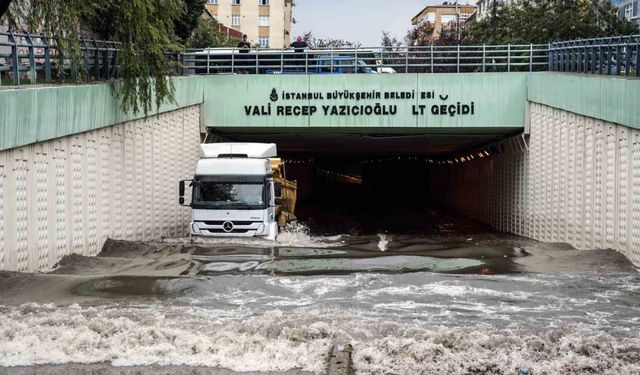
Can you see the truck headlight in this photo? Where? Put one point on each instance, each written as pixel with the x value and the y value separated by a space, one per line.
pixel 194 228
pixel 260 228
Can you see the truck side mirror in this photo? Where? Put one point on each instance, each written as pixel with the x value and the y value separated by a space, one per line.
pixel 181 192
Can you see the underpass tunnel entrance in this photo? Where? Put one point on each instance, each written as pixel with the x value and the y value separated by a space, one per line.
pixel 371 183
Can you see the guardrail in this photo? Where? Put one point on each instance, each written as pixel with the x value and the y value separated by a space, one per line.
pixel 35 58
pixel 618 55
pixel 423 59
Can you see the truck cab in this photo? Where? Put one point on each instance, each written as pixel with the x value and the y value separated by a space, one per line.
pixel 233 193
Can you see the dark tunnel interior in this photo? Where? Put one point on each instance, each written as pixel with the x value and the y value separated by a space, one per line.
pixel 367 184
pixel 362 196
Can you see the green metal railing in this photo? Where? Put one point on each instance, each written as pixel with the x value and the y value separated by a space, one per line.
pixel 423 59
pixel 34 58
pixel 618 55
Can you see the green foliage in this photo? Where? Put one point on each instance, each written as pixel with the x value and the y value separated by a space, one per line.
pixel 449 34
pixel 316 43
pixel 145 33
pixel 102 18
pixel 144 30
pixel 543 21
pixel 60 19
pixel 389 41
pixel 189 18
pixel 206 35
pixel 533 21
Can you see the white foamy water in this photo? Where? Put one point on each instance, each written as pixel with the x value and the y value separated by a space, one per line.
pixel 383 243
pixel 398 323
pixel 278 340
pixel 125 336
pixel 294 234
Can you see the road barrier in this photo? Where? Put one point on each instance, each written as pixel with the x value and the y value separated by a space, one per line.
pixel 34 58
pixel 612 56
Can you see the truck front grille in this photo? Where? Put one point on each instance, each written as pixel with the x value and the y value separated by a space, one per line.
pixel 220 222
pixel 234 231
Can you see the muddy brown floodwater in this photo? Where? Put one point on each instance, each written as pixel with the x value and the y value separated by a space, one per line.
pixel 455 299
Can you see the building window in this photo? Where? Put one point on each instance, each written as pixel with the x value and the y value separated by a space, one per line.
pixel 446 18
pixel 264 41
pixel 628 11
pixel 431 17
pixel 264 21
pixel 263 2
pixel 235 20
pixel 212 2
pixel 235 2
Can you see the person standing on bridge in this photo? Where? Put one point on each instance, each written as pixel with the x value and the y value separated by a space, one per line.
pixel 299 45
pixel 244 47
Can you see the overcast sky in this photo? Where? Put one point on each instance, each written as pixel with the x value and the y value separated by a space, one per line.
pixel 356 20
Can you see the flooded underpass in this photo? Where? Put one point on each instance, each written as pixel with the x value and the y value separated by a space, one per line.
pixel 373 263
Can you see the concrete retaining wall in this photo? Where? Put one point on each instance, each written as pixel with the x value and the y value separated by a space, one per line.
pixel 40 113
pixel 75 170
pixel 578 183
pixel 67 195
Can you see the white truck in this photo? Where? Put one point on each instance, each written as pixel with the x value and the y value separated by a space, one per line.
pixel 239 190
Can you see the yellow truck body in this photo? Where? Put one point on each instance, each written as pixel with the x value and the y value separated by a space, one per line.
pixel 286 192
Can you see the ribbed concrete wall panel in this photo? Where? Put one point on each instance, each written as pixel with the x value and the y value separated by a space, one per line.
pixel 105 184
pixel 58 210
pixel 20 248
pixel 3 249
pixel 76 194
pixel 622 196
pixel 68 195
pixel 577 182
pixel 634 196
pixel 116 212
pixel 40 208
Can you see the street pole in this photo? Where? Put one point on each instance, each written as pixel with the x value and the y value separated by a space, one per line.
pixel 493 22
pixel 457 23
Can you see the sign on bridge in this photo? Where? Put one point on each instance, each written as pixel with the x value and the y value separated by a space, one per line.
pixel 356 101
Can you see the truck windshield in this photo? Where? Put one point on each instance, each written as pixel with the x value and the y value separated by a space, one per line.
pixel 228 195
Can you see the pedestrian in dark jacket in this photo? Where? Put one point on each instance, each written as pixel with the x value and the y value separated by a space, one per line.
pixel 299 45
pixel 243 60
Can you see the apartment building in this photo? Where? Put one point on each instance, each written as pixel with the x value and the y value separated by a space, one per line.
pixel 485 7
pixel 444 16
pixel 629 9
pixel 266 22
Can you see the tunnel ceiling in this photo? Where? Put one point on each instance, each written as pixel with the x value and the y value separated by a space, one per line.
pixel 358 145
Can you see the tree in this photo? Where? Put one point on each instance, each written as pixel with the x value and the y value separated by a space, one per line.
pixel 543 21
pixel 144 30
pixel 532 21
pixel 318 43
pixel 189 18
pixel 4 5
pixel 103 18
pixel 450 34
pixel 389 42
pixel 207 35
